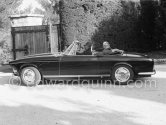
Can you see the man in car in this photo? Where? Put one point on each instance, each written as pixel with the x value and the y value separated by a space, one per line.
pixel 107 50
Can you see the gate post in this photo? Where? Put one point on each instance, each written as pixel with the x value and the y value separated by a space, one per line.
pixel 13 42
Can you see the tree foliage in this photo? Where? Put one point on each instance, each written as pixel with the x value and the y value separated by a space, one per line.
pixel 7 7
pixel 160 28
pixel 132 25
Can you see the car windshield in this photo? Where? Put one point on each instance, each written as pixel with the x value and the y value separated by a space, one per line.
pixel 71 50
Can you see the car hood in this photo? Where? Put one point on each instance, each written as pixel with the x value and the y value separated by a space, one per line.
pixel 36 57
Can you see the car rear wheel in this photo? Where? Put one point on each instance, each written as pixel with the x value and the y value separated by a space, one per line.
pixel 122 75
pixel 30 76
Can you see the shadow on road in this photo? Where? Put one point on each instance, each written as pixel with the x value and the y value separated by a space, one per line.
pixel 73 105
pixel 36 114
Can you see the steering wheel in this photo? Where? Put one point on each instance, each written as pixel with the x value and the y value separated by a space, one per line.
pixel 122 52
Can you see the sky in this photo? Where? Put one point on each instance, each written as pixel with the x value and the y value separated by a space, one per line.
pixel 33 3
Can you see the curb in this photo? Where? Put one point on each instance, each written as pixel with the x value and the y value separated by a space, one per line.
pixel 160 61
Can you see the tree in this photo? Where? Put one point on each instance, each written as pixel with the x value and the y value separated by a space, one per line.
pixel 149 13
pixel 7 7
pixel 160 26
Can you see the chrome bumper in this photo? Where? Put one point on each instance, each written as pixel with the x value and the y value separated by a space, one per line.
pixel 15 72
pixel 147 73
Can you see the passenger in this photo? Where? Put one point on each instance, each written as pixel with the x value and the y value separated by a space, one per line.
pixel 85 50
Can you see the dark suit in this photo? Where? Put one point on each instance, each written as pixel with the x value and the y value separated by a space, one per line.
pixel 104 52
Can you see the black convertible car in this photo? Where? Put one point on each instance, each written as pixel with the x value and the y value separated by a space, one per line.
pixel 120 67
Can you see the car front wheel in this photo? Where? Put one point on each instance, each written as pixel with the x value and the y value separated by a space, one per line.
pixel 30 76
pixel 122 75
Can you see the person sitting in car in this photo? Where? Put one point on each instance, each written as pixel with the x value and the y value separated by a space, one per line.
pixel 107 50
pixel 85 50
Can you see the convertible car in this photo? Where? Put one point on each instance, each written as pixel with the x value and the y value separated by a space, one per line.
pixel 120 67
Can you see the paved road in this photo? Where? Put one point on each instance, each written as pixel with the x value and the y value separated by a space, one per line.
pixel 141 103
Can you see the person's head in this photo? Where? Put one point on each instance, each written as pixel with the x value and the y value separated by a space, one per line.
pixel 87 45
pixel 106 45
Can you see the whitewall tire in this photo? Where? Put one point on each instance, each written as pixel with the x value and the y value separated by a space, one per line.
pixel 122 74
pixel 30 76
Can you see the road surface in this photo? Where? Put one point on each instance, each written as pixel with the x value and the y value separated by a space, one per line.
pixel 140 103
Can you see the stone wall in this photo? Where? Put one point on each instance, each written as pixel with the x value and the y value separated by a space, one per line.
pixel 98 20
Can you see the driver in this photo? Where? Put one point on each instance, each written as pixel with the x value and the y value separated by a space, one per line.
pixel 107 50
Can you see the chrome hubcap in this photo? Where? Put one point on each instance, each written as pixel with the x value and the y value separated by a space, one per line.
pixel 122 74
pixel 29 76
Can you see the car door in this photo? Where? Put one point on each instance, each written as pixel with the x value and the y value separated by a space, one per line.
pixel 79 65
pixel 106 62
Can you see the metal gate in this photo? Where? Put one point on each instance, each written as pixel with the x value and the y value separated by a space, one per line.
pixel 29 40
